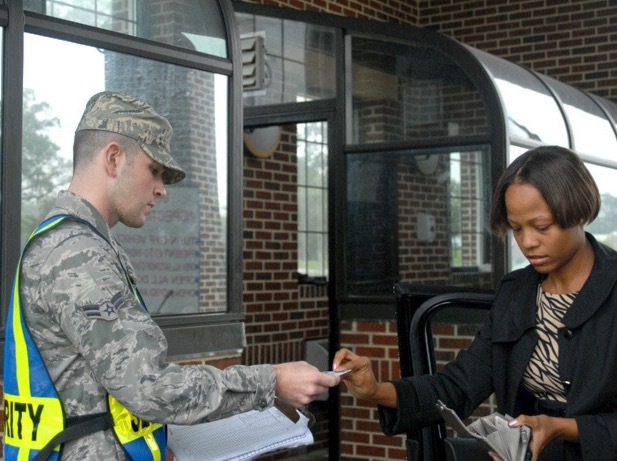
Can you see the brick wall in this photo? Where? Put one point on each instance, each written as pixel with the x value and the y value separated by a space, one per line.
pixel 361 435
pixel 572 41
pixel 399 11
pixel 280 314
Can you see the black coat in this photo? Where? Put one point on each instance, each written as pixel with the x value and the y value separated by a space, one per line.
pixel 497 357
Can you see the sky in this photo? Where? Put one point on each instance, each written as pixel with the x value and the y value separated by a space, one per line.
pixel 46 64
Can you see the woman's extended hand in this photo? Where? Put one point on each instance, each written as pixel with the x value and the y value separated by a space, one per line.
pixel 361 381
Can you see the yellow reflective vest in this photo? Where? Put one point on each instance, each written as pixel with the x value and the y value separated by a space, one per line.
pixel 34 423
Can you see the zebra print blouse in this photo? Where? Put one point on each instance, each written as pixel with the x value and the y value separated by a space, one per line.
pixel 541 376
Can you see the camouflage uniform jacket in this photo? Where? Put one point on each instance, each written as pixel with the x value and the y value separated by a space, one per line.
pixel 95 338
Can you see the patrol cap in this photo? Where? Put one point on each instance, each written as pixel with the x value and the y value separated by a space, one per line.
pixel 118 113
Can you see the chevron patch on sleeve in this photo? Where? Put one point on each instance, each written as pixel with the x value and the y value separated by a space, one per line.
pixel 105 311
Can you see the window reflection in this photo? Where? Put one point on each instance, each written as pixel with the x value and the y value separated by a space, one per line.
pixel 372 261
pixel 180 255
pixel 419 218
pixel 533 113
pixel 195 24
pixel 468 205
pixel 403 92
pixel 593 134
pixel 312 160
pixel 98 13
pixel 611 109
pixel 542 124
pixel 299 60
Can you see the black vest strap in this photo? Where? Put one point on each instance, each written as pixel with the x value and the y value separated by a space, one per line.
pixel 76 428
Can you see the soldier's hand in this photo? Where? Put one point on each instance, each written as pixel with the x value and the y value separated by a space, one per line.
pixel 299 383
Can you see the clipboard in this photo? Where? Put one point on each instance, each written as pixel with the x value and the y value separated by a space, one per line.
pixel 244 436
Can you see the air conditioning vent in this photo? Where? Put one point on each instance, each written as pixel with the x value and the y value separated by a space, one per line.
pixel 253 63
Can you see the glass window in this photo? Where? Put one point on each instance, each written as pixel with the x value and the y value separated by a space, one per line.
pixel 403 92
pixel 468 205
pixel 194 25
pixel 514 151
pixel 312 154
pixel 291 61
pixel 417 217
pixel 604 227
pixel 372 256
pixel 181 254
pixel 611 108
pixel 592 132
pixel 533 113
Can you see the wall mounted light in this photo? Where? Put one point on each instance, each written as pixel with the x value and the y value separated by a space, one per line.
pixel 262 142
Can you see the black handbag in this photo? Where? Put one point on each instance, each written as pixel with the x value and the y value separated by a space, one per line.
pixel 491 432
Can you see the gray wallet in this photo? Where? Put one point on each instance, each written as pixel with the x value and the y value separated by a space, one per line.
pixel 493 432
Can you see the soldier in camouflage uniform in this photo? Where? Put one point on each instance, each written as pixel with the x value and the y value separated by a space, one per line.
pixel 92 333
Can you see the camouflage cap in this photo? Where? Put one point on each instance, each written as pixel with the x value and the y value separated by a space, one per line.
pixel 118 113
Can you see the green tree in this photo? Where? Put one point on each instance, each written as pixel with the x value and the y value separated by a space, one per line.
pixel 44 171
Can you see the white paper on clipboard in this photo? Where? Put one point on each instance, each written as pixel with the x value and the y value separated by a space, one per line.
pixel 241 437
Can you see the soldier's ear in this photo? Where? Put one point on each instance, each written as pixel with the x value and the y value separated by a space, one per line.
pixel 113 155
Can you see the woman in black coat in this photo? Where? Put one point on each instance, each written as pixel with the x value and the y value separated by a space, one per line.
pixel 549 349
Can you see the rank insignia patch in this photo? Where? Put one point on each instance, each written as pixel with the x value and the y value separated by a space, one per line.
pixel 105 311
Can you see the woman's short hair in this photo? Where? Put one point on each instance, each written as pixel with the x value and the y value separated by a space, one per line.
pixel 563 180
